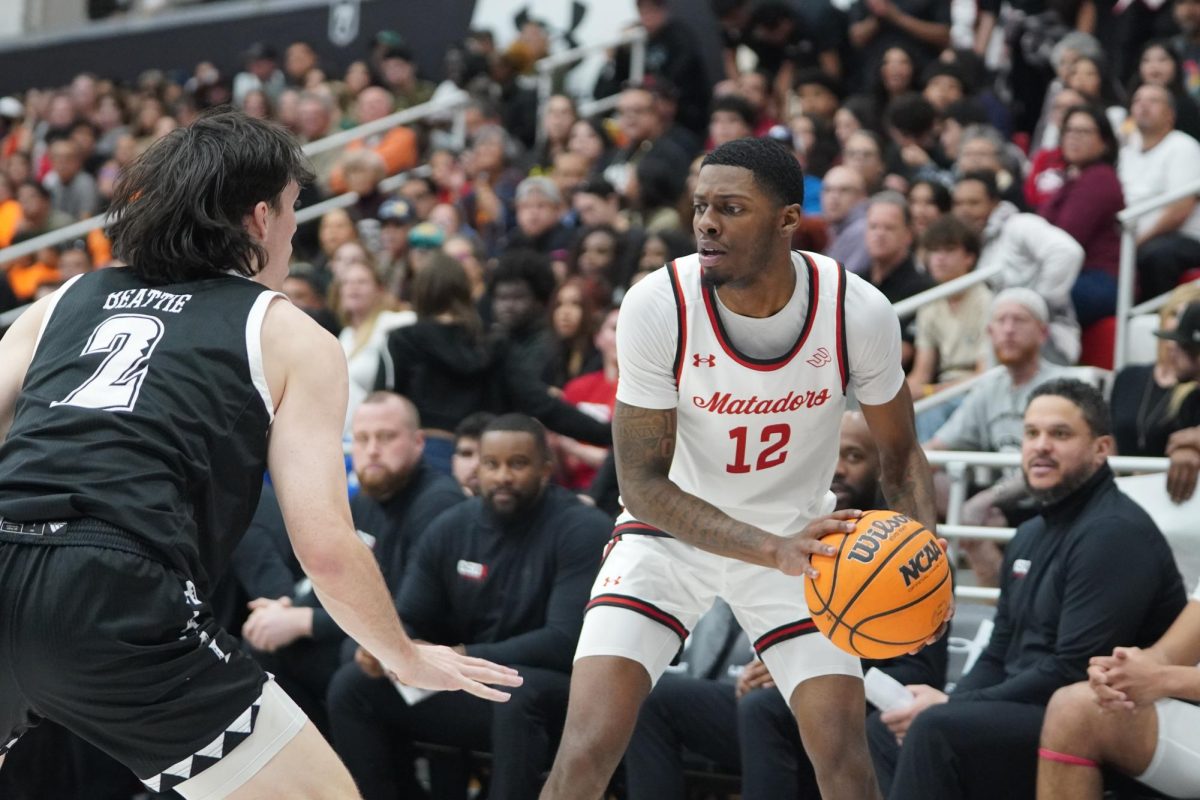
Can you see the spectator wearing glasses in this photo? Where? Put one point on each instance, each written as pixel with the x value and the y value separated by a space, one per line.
pixel 1086 207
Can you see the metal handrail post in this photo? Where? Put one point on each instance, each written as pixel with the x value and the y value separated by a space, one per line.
pixel 637 59
pixel 1125 282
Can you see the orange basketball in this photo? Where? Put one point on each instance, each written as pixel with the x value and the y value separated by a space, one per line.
pixel 885 591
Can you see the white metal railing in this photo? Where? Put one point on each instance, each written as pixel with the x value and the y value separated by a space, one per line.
pixel 909 305
pixel 454 104
pixel 1155 303
pixel 1128 220
pixel 550 64
pixel 951 392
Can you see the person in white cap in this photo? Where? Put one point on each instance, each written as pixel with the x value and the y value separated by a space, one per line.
pixel 990 417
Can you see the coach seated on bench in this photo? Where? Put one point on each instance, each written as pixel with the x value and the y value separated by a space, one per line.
pixel 1092 571
pixel 504 576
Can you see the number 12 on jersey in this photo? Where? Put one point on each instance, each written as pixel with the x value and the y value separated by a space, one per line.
pixel 773 438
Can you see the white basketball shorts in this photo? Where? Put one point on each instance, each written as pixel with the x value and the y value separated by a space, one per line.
pixel 1175 768
pixel 652 589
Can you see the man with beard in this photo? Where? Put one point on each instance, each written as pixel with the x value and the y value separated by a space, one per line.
pixel 1061 601
pixel 989 419
pixel 294 637
pixel 730 722
pixel 504 575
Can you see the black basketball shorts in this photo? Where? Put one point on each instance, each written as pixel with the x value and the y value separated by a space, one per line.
pixel 118 648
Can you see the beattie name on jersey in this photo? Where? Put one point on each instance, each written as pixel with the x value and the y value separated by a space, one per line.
pixel 145 298
pixel 726 403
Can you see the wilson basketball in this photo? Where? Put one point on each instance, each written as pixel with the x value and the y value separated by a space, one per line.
pixel 885 590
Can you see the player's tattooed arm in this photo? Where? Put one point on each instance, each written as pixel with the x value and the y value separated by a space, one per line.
pixel 644 439
pixel 904 470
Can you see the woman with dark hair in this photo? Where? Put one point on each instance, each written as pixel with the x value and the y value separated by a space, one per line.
pixel 856 114
pixel 819 141
pixel 599 255
pixel 1086 207
pixel 1159 65
pixel 558 118
pixel 663 247
pixel 655 192
pixel 895 75
pixel 446 366
pixel 1091 78
pixel 927 200
pixel 590 139
pixel 573 310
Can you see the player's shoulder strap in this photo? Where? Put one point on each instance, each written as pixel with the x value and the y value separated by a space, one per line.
pixel 678 292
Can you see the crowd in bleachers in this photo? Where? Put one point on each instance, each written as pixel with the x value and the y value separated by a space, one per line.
pixel 487 279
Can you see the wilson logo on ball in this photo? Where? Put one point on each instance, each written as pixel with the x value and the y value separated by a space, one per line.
pixel 869 542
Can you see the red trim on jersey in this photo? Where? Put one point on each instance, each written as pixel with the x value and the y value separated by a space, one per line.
pixel 843 355
pixel 783 633
pixel 767 364
pixel 639 527
pixel 681 308
pixel 640 607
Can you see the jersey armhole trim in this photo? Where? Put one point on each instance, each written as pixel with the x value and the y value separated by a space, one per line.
pixel 50 306
pixel 843 352
pixel 254 324
pixel 681 321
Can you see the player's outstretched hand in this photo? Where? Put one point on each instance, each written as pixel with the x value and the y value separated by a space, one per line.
pixel 441 668
pixel 792 556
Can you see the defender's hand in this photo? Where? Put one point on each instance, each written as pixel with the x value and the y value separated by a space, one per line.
pixel 437 667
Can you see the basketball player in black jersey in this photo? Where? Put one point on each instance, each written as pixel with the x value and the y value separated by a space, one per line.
pixel 142 406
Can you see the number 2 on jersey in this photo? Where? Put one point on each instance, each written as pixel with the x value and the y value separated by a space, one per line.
pixel 129 340
pixel 775 437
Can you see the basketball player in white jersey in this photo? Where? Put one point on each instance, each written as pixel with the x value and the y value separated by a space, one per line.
pixel 735 364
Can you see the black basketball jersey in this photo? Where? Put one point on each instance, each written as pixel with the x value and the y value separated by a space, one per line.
pixel 145 407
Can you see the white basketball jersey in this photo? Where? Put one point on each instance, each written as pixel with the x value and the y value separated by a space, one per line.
pixel 759 438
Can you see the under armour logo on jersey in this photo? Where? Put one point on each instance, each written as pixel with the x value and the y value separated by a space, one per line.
pixel 820 357
pixel 708 360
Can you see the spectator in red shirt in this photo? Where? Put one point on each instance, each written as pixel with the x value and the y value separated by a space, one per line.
pixel 1086 207
pixel 593 393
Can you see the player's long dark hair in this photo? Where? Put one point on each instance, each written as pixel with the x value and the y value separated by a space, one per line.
pixel 177 212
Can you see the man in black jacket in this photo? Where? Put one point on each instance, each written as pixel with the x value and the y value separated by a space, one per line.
pixel 1090 573
pixel 502 576
pixel 399 496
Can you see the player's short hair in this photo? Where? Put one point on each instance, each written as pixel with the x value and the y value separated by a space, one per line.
pixel 773 165
pixel 520 423
pixel 1084 396
pixel 177 212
